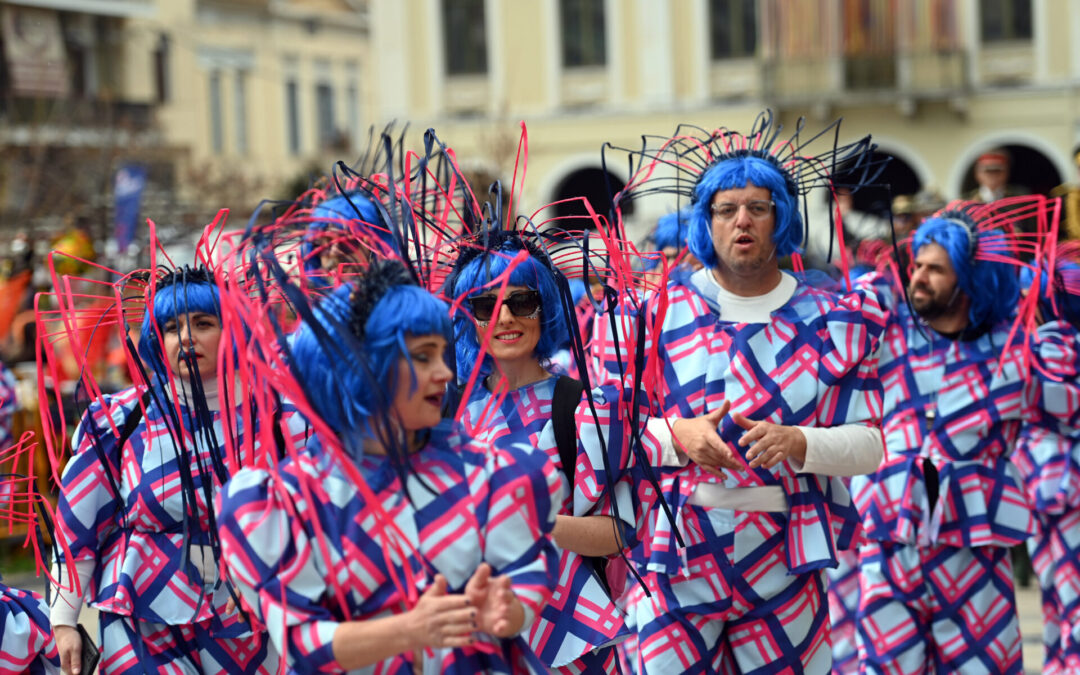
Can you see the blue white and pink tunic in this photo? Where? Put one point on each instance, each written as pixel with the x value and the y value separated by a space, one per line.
pixel 1048 457
pixel 581 618
pixel 154 579
pixel 462 503
pixel 26 640
pixel 748 589
pixel 947 504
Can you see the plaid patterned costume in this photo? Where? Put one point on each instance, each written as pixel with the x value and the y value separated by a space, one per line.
pixel 748 591
pixel 141 583
pixel 26 639
pixel 470 504
pixel 575 630
pixel 1048 457
pixel 945 506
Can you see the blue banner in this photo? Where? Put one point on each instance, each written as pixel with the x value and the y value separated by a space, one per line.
pixel 127 193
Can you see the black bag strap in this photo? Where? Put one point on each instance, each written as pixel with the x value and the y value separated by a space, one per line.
pixel 564 403
pixel 131 423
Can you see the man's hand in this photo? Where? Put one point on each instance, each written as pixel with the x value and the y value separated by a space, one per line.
pixel 773 443
pixel 69 645
pixel 697 437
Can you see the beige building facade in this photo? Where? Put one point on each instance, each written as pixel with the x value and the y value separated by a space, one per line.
pixel 224 102
pixel 936 82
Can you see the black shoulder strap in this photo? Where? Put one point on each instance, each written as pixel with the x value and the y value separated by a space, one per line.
pixel 131 423
pixel 564 403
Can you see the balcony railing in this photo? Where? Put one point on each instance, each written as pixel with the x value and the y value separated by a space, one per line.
pixel 925 75
pixel 77 114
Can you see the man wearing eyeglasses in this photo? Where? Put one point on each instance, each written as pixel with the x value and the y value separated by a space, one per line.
pixel 770 387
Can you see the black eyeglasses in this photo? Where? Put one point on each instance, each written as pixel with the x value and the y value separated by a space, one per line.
pixel 525 304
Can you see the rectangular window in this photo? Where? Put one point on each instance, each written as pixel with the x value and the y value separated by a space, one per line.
pixel 161 69
pixel 324 102
pixel 292 116
pixel 465 37
pixel 217 131
pixel 582 30
pixel 1005 20
pixel 733 29
pixel 240 103
pixel 352 104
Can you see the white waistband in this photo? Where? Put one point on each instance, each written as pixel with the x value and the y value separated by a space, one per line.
pixel 764 498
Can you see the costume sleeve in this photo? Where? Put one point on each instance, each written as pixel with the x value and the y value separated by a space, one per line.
pixel 524 496
pixel 850 391
pixel 278 568
pixel 1053 394
pixel 89 498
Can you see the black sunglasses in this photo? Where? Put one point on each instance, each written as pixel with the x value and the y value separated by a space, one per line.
pixel 521 303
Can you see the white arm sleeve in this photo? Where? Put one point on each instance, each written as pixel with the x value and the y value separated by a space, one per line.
pixel 660 428
pixel 846 450
pixel 66 604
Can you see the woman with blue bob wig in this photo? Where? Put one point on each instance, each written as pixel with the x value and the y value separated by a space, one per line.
pixel 437 567
pixel 515 303
pixel 147 558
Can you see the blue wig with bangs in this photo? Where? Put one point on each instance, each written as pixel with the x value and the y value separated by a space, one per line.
pixel 350 379
pixel 183 292
pixel 671 230
pixel 1054 294
pixel 355 206
pixel 736 172
pixel 531 273
pixel 992 287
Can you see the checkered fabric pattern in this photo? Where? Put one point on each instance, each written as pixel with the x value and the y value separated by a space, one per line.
pixel 135 647
pixel 813 364
pixel 843 605
pixel 953 409
pixel 1049 462
pixel 958 405
pixel 580 617
pixel 26 639
pixel 300 540
pixel 937 609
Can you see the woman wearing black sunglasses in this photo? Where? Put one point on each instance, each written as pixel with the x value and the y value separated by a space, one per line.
pixel 514 309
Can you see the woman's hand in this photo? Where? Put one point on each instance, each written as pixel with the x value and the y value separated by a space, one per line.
pixel 499 612
pixel 441 620
pixel 69 645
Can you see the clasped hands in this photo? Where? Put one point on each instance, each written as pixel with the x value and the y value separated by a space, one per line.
pixel 487 605
pixel 768 443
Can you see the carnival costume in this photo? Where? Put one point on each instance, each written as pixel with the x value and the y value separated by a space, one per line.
pixel 1047 455
pixel 946 505
pixel 135 522
pixel 329 534
pixel 747 591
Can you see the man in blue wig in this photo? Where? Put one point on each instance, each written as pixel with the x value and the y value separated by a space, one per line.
pixel 946 506
pixel 771 387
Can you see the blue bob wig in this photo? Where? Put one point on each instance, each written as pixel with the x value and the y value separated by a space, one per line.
pixel 736 172
pixel 671 230
pixel 531 273
pixel 992 287
pixel 355 206
pixel 184 292
pixel 350 380
pixel 1054 295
